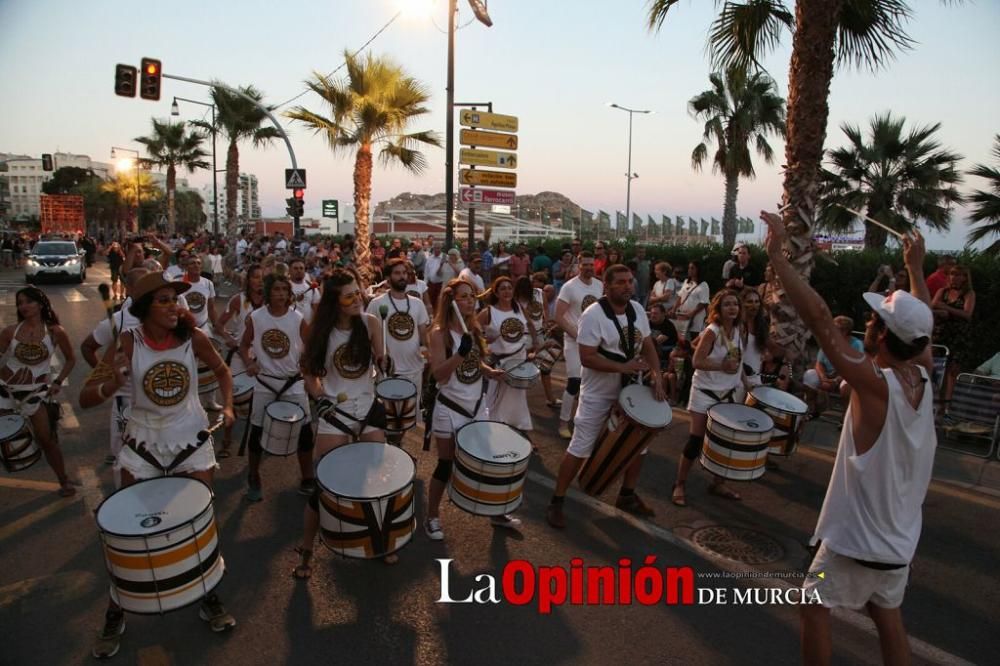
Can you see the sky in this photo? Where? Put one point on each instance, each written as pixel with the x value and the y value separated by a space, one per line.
pixel 554 64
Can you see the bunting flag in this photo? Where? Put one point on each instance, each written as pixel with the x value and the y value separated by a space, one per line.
pixel 621 224
pixel 704 227
pixel 667 230
pixel 636 223
pixel 603 222
pixel 715 227
pixel 679 227
pixel 692 227
pixel 586 221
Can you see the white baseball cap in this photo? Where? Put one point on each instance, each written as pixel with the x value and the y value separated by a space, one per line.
pixel 905 315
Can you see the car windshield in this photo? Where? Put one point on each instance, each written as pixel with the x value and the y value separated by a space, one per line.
pixel 54 248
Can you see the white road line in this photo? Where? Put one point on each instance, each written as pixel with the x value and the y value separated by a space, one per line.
pixel 74 296
pixel 854 618
pixel 91 488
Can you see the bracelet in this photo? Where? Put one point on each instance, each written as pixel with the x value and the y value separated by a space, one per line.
pixel 100 391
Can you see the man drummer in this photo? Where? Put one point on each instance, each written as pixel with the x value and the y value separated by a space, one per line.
pixel 614 340
pixel 275 334
pixel 305 294
pixel 404 325
pixel 576 295
pixel 201 302
pixel 871 519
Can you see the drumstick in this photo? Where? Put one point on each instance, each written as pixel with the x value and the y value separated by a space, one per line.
pixel 383 311
pixel 461 319
pixel 873 221
pixel 204 434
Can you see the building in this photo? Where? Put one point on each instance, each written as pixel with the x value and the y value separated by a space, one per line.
pixel 247 201
pixel 22 181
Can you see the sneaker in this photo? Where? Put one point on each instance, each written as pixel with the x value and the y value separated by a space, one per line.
pixel 506 520
pixel 254 494
pixel 432 526
pixel 554 516
pixel 564 431
pixel 307 487
pixel 634 505
pixel 109 637
pixel 213 612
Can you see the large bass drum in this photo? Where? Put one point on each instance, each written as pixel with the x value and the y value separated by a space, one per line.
pixel 787 412
pixel 18 448
pixel 736 441
pixel 491 460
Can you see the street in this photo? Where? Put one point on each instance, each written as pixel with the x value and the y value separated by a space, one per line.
pixel 53 582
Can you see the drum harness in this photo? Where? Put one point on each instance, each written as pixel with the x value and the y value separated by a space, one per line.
pixel 289 382
pixel 185 453
pixel 434 395
pixel 730 394
pixel 627 341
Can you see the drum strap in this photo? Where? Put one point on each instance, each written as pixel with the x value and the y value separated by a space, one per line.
pixel 454 406
pixel 360 423
pixel 725 397
pixel 499 357
pixel 627 342
pixel 184 454
pixel 289 382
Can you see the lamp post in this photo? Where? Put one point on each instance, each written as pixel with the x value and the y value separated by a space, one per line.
pixel 175 111
pixel 137 185
pixel 629 175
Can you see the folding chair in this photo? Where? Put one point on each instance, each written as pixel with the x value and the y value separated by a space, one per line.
pixel 973 414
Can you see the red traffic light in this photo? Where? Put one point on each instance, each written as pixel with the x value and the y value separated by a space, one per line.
pixel 149 85
pixel 152 68
pixel 299 194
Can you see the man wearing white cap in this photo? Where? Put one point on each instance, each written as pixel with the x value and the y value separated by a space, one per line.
pixel 870 522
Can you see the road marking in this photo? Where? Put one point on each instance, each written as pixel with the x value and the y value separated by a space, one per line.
pixel 27 484
pixel 854 618
pixel 155 655
pixel 74 296
pixel 66 585
pixel 69 420
pixel 90 488
pixel 13 528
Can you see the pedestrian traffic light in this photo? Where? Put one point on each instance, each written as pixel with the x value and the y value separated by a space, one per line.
pixel 149 86
pixel 46 162
pixel 299 196
pixel 125 76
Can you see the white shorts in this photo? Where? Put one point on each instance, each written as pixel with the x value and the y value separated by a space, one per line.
pixel 446 421
pixel 591 417
pixel 847 584
pixel 324 427
pixel 571 354
pixel 118 416
pixel 201 460
pixel 699 402
pixel 262 397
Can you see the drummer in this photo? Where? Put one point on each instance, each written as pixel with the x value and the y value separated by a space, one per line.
pixel 201 302
pixel 718 373
pixel 510 335
pixel 305 294
pixel 406 322
pixel 754 338
pixel 343 347
pixel 610 347
pixel 25 386
pixel 458 367
pixel 574 297
pixel 162 436
pixel 530 296
pixel 275 334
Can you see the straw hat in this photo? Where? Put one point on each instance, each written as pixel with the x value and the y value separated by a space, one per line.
pixel 151 282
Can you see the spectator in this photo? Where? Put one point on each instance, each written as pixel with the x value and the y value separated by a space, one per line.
pixel 953 307
pixel 560 268
pixel 396 250
pixel 688 314
pixel 642 275
pixel 487 257
pixel 664 287
pixel 116 259
pixel 600 259
pixel 990 368
pixel 451 266
pixel 473 273
pixel 501 263
pixel 520 263
pixel 939 279
pixel 822 379
pixel 663 331
pixel 677 372
pixel 886 281
pixel 417 258
pixel 433 271
pixel 737 272
pixel 542 263
pixel 378 256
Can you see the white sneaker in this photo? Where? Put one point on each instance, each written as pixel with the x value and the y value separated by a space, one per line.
pixel 506 520
pixel 432 526
pixel 564 431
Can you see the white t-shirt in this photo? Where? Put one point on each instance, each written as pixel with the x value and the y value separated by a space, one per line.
pixel 214 262
pixel 198 297
pixel 596 330
pixel 417 289
pixel 241 247
pixel 124 321
pixel 689 297
pixel 173 273
pixel 280 245
pixel 431 267
pixel 305 297
pixel 405 318
pixel 473 278
pixel 580 296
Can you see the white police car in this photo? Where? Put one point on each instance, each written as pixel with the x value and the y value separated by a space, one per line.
pixel 55 259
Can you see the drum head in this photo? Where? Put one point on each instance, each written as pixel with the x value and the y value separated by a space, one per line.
pixel 242 384
pixel 396 388
pixel 642 406
pixel 780 400
pixel 740 418
pixel 153 506
pixel 10 425
pixel 493 442
pixel 517 367
pixel 282 410
pixel 365 470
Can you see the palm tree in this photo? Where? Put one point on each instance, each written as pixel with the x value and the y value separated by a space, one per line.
pixel 238 119
pixel 172 146
pixel 738 110
pixel 826 32
pixel 371 107
pixel 987 204
pixel 894 178
pixel 123 187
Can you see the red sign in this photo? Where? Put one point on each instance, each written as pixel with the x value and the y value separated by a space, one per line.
pixel 470 195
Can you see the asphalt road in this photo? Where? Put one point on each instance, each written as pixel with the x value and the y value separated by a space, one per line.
pixel 53 583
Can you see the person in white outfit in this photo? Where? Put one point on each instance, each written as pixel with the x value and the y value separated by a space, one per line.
pixel 576 295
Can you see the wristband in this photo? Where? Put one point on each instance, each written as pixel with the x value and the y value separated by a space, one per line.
pixel 100 391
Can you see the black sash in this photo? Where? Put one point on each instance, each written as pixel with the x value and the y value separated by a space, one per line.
pixel 625 338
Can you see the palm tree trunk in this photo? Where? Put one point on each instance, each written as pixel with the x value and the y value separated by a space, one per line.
pixel 729 211
pixel 171 193
pixel 232 184
pixel 809 77
pixel 362 200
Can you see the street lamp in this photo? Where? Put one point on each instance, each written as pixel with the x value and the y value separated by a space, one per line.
pixel 629 175
pixel 479 9
pixel 176 111
pixel 122 167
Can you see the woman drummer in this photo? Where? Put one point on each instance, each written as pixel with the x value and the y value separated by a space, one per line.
pixel 718 371
pixel 165 432
pixel 754 338
pixel 26 349
pixel 458 367
pixel 344 344
pixel 530 294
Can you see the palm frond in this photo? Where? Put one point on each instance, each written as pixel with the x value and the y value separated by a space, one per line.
pixel 870 32
pixel 744 32
pixel 658 13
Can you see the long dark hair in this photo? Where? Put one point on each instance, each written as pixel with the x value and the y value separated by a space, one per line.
pixel 272 280
pixel 185 320
pixel 760 326
pixel 49 317
pixel 246 284
pixel 523 291
pixel 359 346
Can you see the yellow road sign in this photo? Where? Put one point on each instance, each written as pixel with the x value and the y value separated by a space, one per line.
pixel 493 121
pixel 487 139
pixel 487 158
pixel 488 178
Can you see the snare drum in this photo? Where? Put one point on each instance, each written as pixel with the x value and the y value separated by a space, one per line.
pixel 624 438
pixel 160 544
pixel 18 449
pixel 207 381
pixel 399 397
pixel 548 357
pixel 786 411
pixel 242 394
pixel 490 463
pixel 519 373
pixel 366 500
pixel 736 441
pixel 281 427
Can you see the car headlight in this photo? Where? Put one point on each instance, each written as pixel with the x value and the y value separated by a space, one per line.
pixel 31 262
pixel 73 260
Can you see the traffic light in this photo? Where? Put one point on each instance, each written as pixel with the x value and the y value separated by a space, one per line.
pixel 125 76
pixel 299 196
pixel 149 86
pixel 46 162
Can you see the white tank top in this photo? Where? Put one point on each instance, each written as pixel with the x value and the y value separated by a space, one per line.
pixel 240 325
pixel 166 409
pixel 535 310
pixel 718 381
pixel 510 329
pixel 277 343
pixel 466 383
pixel 304 294
pixel 198 297
pixel 355 381
pixel 35 356
pixel 873 506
